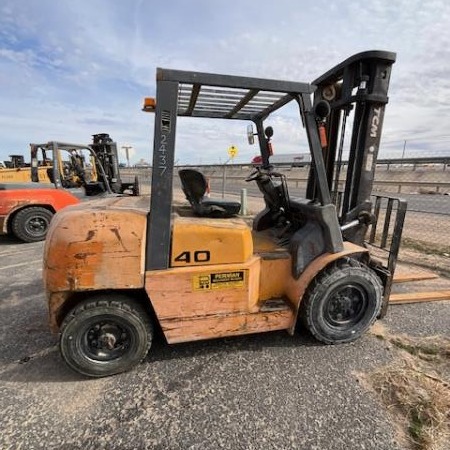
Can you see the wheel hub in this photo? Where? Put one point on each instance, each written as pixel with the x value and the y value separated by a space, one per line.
pixel 37 225
pixel 345 307
pixel 106 341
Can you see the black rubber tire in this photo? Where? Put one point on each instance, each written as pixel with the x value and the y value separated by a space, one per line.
pixel 342 302
pixel 31 224
pixel 85 329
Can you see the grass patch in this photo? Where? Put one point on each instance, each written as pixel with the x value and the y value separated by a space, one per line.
pixel 425 247
pixel 416 389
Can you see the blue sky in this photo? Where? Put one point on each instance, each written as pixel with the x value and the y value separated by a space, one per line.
pixel 69 69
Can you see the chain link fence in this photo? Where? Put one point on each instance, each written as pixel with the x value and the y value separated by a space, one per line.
pixel 426 188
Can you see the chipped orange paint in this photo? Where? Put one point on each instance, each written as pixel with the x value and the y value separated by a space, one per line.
pixel 208 327
pixel 94 247
pixel 55 301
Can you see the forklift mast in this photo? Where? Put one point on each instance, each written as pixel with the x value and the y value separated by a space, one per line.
pixel 17 161
pixel 359 84
pixel 105 150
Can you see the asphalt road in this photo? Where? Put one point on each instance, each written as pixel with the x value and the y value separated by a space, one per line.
pixel 425 203
pixel 268 391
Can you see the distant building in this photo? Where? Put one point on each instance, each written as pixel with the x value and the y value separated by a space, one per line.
pixel 142 164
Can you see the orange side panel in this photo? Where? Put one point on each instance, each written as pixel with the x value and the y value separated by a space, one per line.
pixel 175 293
pixel 277 276
pixel 56 198
pixel 187 311
pixel 15 199
pixel 220 326
pixel 95 249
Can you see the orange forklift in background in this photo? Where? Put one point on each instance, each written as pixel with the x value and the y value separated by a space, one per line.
pixel 115 268
pixel 60 174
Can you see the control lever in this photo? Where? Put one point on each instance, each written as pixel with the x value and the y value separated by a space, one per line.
pixel 364 217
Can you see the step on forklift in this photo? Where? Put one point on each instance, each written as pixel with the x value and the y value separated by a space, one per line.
pixel 116 270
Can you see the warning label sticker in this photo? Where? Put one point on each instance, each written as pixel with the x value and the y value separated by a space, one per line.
pixel 223 280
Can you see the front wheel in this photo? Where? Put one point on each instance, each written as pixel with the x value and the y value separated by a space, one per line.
pixel 104 336
pixel 342 302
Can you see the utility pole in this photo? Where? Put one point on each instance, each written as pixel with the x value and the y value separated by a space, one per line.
pixel 404 149
pixel 127 154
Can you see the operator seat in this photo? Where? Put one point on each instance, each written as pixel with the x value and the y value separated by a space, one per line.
pixel 194 186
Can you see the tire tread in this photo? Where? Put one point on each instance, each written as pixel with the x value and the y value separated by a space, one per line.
pixel 21 216
pixel 126 304
pixel 344 264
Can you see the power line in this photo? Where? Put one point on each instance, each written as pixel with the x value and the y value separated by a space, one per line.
pixel 428 138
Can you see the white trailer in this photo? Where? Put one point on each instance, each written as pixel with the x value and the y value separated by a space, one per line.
pixel 286 159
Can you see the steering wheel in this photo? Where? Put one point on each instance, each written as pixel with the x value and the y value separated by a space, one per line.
pixel 254 175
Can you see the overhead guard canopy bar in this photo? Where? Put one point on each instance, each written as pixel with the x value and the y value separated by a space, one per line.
pixel 230 97
pixel 232 81
pixel 62 145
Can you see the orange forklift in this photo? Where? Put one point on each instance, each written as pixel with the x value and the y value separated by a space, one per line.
pixel 59 174
pixel 115 268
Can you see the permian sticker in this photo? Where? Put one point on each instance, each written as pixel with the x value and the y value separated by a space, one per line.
pixel 221 280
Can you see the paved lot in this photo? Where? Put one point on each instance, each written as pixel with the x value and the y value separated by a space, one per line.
pixel 269 391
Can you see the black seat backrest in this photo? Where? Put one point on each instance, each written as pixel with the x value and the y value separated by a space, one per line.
pixel 194 186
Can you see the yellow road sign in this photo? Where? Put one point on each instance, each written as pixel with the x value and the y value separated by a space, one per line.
pixel 232 151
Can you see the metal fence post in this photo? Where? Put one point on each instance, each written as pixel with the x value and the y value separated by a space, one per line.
pixel 224 177
pixel 243 211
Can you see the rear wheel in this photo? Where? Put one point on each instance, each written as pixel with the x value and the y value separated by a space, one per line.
pixel 31 224
pixel 342 302
pixel 102 337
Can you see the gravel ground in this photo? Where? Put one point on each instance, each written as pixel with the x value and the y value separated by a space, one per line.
pixel 269 391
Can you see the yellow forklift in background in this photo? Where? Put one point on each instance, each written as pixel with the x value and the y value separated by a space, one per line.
pixel 116 267
pixel 94 167
pixel 58 163
pixel 14 162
